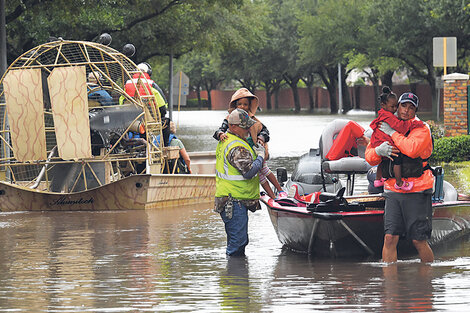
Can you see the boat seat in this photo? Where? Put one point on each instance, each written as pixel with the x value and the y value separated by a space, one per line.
pixel 347 165
pixel 340 153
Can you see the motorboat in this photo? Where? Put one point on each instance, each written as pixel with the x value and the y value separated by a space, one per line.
pixel 343 224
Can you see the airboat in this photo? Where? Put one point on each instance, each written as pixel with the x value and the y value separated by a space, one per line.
pixel 62 150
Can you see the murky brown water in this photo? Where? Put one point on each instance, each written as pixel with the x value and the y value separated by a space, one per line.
pixel 173 260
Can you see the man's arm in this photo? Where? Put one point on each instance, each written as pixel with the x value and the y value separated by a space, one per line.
pixel 371 156
pixel 417 144
pixel 242 160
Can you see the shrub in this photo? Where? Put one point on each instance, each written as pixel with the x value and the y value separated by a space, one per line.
pixel 448 149
pixel 437 130
pixel 194 103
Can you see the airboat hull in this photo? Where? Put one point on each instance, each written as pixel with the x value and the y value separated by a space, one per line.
pixel 359 233
pixel 131 193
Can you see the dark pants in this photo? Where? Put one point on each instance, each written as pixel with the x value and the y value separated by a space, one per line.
pixel 236 229
pixel 408 214
pixel 166 131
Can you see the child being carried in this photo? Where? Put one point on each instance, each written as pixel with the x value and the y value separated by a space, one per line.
pixel 259 134
pixel 389 105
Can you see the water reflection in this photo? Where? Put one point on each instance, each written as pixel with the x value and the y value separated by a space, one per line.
pixel 235 285
pixel 408 287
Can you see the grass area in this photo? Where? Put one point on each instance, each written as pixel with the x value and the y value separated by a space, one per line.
pixel 464 173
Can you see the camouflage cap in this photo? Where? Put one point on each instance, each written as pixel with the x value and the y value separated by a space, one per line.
pixel 241 118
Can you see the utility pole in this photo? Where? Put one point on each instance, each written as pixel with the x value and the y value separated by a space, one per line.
pixel 340 90
pixel 170 97
pixel 3 39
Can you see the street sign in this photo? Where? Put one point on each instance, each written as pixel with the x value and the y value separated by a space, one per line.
pixel 444 52
pixel 439 83
pixel 180 84
pixel 180 88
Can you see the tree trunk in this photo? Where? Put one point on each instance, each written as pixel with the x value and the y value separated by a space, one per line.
pixel 431 78
pixel 209 99
pixel 208 88
pixel 357 96
pixel 347 106
pixel 199 100
pixel 292 82
pixel 311 100
pixel 330 83
pixel 269 94
pixel 376 95
pixel 295 93
pixel 387 79
pixel 268 86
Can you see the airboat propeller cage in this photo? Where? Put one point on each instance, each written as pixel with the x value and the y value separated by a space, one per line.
pixel 44 103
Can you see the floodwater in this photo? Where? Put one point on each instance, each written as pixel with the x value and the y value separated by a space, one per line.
pixel 173 259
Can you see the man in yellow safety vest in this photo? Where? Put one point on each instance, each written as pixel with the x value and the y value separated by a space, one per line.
pixel 237 181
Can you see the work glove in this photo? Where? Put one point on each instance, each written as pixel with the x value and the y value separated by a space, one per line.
pixel 387 129
pixel 384 150
pixel 259 149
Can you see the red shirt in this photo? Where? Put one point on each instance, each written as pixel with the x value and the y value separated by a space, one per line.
pixel 400 126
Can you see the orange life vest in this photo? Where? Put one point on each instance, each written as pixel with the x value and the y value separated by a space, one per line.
pixel 146 83
pixel 418 144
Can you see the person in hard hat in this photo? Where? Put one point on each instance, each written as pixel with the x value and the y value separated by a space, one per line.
pixel 149 87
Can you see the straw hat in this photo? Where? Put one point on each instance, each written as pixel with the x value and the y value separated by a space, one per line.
pixel 244 93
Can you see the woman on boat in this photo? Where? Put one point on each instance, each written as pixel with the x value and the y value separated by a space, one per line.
pixel 407 212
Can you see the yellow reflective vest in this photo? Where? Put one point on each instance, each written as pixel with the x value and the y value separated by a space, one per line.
pixel 228 179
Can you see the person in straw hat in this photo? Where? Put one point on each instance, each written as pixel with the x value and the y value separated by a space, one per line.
pixel 258 135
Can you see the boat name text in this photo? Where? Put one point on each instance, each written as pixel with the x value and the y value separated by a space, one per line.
pixel 64 201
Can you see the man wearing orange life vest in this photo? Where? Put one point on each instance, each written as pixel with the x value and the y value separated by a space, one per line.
pixel 407 212
pixel 150 87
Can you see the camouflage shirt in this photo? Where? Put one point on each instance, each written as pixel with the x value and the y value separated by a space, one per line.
pixel 242 159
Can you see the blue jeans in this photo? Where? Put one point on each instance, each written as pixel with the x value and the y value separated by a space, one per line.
pixel 236 229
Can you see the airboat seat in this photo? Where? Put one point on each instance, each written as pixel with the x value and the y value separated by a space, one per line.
pixel 93 103
pixel 339 151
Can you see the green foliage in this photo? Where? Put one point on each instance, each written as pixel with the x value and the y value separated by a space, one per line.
pixel 255 42
pixel 155 27
pixel 194 103
pixel 451 149
pixel 437 130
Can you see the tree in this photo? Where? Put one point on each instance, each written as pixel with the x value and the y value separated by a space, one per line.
pixel 413 45
pixel 284 16
pixel 241 46
pixel 329 30
pixel 155 27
